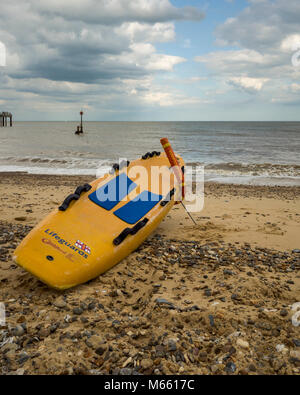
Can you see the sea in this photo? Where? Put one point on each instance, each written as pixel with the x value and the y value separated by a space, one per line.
pixel 256 153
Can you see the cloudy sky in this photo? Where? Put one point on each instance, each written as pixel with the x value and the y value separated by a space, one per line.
pixel 149 60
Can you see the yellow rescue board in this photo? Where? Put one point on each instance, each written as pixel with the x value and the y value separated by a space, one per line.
pixel 76 245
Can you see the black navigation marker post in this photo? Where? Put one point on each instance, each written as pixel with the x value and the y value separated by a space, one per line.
pixel 80 127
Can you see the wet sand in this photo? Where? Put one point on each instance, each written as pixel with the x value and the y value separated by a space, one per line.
pixel 211 299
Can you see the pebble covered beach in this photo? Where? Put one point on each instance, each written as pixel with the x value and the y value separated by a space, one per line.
pixel 204 300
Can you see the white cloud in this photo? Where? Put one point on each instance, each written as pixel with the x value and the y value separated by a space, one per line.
pixel 153 94
pixel 169 99
pixel 237 60
pixel 144 56
pixel 261 26
pixel 61 52
pixel 61 41
pixel 116 11
pixel 248 84
pixel 291 43
pixel 141 32
pixel 266 36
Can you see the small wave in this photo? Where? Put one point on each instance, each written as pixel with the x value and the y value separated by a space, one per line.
pixel 72 161
pixel 48 170
pixel 39 160
pixel 251 169
pixel 58 161
pixel 248 180
pixel 235 173
pixel 29 159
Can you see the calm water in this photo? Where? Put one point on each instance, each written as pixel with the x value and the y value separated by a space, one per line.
pixel 246 152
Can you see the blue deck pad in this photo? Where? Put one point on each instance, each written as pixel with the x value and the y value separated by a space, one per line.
pixel 110 194
pixel 133 211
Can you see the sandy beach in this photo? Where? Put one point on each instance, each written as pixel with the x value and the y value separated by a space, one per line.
pixel 211 299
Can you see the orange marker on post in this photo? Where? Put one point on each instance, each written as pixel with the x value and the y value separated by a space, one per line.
pixel 173 162
pixel 177 170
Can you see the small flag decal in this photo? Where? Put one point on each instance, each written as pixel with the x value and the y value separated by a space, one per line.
pixel 83 246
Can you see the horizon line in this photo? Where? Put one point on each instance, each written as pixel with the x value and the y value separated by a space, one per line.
pixel 131 121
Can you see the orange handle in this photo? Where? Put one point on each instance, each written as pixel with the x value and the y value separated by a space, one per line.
pixel 173 162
